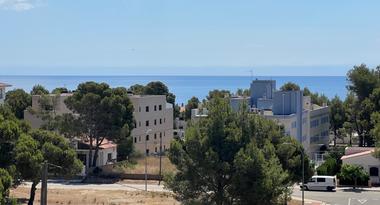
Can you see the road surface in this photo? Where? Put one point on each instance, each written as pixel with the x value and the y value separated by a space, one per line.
pixel 344 196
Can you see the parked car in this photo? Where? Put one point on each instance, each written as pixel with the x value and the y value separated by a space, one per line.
pixel 321 183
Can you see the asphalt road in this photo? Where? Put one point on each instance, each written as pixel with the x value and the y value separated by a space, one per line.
pixel 342 196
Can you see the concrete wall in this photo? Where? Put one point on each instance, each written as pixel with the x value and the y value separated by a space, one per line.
pixel 262 89
pixel 237 102
pixel 160 122
pixel 2 95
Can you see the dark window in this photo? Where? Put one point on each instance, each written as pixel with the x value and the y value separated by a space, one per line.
pixel 109 157
pixel 155 149
pixel 135 124
pixel 321 180
pixel 374 172
pixel 160 134
pixel 147 152
pixel 155 108
pixel 135 139
pixel 164 120
pixel 147 138
pixel 160 107
pixel 155 136
pixel 139 123
pixel 147 123
pixel 147 109
pixel 160 121
pixel 139 109
pixel 155 122
pixel 139 138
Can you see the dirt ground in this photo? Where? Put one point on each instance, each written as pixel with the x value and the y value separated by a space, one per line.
pixel 101 197
pixel 98 197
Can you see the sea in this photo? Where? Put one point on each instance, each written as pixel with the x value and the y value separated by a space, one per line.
pixel 184 87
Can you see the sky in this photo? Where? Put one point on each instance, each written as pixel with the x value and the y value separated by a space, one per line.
pixel 187 37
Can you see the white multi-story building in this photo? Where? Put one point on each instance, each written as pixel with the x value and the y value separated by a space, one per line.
pixel 3 86
pixel 153 123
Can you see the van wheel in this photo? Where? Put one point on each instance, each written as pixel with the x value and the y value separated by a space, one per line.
pixel 306 188
pixel 329 188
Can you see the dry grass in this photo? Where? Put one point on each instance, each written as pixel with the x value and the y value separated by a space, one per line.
pixel 153 166
pixel 97 197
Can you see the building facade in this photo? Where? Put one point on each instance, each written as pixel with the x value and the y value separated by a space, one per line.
pixel 153 123
pixel 262 90
pixel 3 87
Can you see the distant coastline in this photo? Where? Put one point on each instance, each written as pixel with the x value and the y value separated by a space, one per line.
pixel 183 86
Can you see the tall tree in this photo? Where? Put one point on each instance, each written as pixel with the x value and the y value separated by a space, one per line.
pixel 362 81
pixel 337 116
pixel 32 150
pixel 230 158
pixel 18 100
pixel 191 104
pixel 159 88
pixel 289 86
pixel 39 90
pixel 137 89
pixel 5 185
pixel 60 90
pixel 218 94
pixel 104 112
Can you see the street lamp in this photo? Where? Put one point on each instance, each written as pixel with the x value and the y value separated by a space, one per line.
pixel 303 172
pixel 146 160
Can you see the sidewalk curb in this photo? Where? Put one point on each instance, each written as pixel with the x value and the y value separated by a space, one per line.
pixel 309 201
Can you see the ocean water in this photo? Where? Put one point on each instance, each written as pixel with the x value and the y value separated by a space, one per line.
pixel 184 87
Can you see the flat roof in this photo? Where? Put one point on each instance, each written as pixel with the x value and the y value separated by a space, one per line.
pixel 4 85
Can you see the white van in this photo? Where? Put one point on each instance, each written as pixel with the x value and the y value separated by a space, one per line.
pixel 321 183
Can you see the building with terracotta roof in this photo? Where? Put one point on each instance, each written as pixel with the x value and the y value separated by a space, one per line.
pixel 364 157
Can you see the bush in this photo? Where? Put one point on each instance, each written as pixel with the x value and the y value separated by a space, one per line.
pixel 353 175
pixel 5 184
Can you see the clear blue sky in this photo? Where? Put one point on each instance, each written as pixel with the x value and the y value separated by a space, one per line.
pixel 211 37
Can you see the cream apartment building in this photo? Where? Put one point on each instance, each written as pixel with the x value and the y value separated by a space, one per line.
pixel 153 123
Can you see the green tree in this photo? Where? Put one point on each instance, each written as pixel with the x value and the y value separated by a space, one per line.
pixel 60 90
pixel 5 184
pixel 159 88
pixel 18 100
pixel 337 116
pixel 137 89
pixel 39 146
pixel 191 104
pixel 230 158
pixel 289 86
pixel 104 112
pixel 218 94
pixel 39 90
pixel 363 81
pixel 353 173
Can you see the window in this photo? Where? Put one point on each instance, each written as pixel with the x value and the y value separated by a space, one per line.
pixel 139 109
pixel 147 152
pixel 312 180
pixel 135 139
pixel 160 134
pixel 135 124
pixel 139 123
pixel 155 135
pixel 147 123
pixel 160 107
pixel 109 157
pixel 294 124
pixel 147 138
pixel 155 121
pixel 164 133
pixel 324 119
pixel 155 149
pixel 374 172
pixel 321 180
pixel 304 120
pixel 160 121
pixel 147 109
pixel 155 108
pixel 314 123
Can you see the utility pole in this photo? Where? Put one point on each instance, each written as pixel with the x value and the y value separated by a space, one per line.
pixel 159 181
pixel 303 176
pixel 146 160
pixel 44 173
